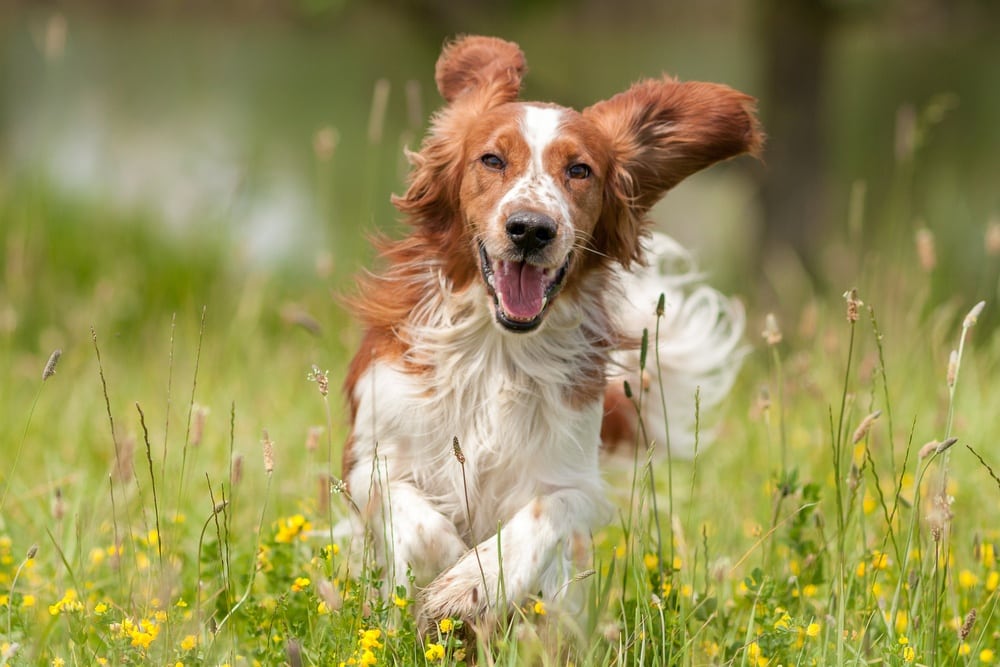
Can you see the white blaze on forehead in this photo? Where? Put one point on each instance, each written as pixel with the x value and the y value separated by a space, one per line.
pixel 536 189
pixel 540 126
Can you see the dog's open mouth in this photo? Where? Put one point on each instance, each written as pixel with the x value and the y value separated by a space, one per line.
pixel 521 291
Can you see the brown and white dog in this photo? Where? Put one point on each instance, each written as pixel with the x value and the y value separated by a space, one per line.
pixel 497 320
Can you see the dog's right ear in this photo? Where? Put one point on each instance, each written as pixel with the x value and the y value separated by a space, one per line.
pixel 486 70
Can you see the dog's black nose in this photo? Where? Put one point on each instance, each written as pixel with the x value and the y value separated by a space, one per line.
pixel 529 230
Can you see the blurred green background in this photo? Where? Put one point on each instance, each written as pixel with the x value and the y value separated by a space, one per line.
pixel 164 156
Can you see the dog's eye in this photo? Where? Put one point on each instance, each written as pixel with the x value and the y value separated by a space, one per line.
pixel 578 171
pixel 494 162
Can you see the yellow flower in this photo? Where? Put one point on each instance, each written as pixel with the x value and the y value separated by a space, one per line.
pixel 812 630
pixel 434 652
pixel 181 603
pixel 810 590
pixel 860 570
pixel 322 609
pixel 69 602
pixel 58 662
pixel 300 584
pixel 100 608
pixel 189 642
pixel 446 625
pixel 909 654
pixel 992 581
pixel 880 561
pixel 399 602
pixel 964 648
pixel 28 601
pixel 967 579
pixel 539 608
pixel 651 561
pixel 367 658
pixel 370 639
pixel 986 655
pixel 783 621
pixel 290 528
pixel 868 503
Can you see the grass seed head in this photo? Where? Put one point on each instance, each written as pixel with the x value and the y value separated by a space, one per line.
pixel 926 253
pixel 853 304
pixel 771 333
pixel 458 450
pixel 865 426
pixel 312 438
pixel 198 416
pixel 58 504
pixel 973 315
pixel 50 366
pixel 236 470
pixel 993 238
pixel 321 378
pixel 268 454
pixel 32 552
pixel 952 368
pixel 970 620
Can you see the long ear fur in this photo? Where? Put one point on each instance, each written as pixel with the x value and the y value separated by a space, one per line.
pixel 661 132
pixel 473 74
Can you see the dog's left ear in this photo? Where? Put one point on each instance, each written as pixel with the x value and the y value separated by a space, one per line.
pixel 485 67
pixel 661 132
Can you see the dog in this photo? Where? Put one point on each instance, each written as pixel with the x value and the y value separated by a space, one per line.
pixel 480 394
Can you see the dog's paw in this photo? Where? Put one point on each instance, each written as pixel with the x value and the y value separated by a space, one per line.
pixel 461 592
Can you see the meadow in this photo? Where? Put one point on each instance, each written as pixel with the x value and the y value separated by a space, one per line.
pixel 171 424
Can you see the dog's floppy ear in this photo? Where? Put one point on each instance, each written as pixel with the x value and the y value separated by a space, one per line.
pixel 662 131
pixel 487 67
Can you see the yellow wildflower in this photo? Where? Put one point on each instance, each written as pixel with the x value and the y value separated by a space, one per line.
pixel 399 602
pixel 100 608
pixel 446 625
pixel 539 608
pixel 986 655
pixel 651 561
pixel 189 643
pixel 434 652
pixel 300 584
pixel 28 601
pixel 322 609
pixel 967 579
pixel 992 581
pixel 292 528
pixel 909 654
pixel 370 639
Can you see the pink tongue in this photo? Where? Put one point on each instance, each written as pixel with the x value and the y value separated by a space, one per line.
pixel 521 288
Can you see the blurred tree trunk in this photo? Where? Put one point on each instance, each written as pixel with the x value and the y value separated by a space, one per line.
pixel 795 37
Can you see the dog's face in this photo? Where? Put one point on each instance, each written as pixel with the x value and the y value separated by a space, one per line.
pixel 532 192
pixel 536 194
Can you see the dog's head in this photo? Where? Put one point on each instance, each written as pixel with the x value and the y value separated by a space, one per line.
pixel 533 196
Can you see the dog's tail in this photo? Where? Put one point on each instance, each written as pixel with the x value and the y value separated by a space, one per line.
pixel 696 351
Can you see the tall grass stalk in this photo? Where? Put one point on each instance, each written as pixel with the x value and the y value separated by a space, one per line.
pixel 194 387
pixel 47 372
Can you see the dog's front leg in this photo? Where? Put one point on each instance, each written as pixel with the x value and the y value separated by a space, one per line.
pixel 532 554
pixel 412 538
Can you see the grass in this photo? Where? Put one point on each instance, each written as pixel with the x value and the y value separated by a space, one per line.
pixel 171 497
